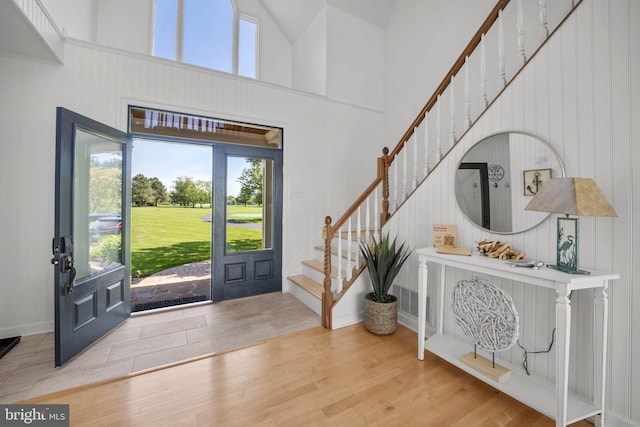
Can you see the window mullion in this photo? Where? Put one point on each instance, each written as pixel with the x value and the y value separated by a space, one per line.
pixel 235 44
pixel 180 30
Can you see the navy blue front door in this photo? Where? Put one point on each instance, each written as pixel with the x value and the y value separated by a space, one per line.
pixel 252 266
pixel 91 237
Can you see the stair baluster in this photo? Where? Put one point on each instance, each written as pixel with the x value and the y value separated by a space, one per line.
pixel 425 168
pixel 349 254
pixel 543 19
pixel 520 22
pixel 467 95
pixel 358 238
pixel 501 59
pixel 452 112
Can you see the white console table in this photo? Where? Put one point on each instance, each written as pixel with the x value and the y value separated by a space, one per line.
pixel 540 395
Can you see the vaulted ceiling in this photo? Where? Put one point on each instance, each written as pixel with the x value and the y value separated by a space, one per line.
pixel 294 16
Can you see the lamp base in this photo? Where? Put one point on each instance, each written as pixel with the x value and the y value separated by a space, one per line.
pixel 568 270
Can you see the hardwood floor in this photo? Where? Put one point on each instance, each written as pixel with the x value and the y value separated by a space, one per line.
pixel 346 377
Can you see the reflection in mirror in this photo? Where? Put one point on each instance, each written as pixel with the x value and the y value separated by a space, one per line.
pixel 515 165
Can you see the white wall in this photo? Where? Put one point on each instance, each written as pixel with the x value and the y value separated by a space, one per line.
pixel 320 136
pixel 126 25
pixel 310 57
pixel 580 94
pixel 355 60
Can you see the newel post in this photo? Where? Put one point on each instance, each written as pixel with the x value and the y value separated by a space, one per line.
pixel 327 295
pixel 383 172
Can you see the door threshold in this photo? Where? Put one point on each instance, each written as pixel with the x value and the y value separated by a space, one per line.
pixel 171 308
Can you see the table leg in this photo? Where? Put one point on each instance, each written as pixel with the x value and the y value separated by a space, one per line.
pixel 563 328
pixel 443 279
pixel 601 313
pixel 422 305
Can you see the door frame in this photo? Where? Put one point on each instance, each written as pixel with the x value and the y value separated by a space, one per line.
pixel 240 149
pixel 485 207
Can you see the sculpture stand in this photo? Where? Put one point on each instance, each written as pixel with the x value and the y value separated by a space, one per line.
pixel 486 367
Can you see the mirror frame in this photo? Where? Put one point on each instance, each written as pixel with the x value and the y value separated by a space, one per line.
pixel 545 143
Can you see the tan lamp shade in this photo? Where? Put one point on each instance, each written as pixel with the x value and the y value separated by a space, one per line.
pixel 571 196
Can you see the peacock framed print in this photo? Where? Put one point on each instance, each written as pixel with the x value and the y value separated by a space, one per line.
pixel 567 253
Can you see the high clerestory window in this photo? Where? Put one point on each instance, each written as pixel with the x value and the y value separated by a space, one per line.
pixel 207 33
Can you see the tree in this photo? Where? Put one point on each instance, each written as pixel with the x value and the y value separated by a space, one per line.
pixel 159 191
pixel 251 182
pixel 141 191
pixel 203 193
pixel 185 192
pixel 105 192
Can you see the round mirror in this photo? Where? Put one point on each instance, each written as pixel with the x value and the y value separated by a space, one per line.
pixel 499 175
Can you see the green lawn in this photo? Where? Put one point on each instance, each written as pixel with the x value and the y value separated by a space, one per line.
pixel 168 236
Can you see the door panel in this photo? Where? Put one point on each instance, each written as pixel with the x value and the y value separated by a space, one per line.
pixel 90 245
pixel 249 262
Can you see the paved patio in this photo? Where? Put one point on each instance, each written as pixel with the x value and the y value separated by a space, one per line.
pixel 178 285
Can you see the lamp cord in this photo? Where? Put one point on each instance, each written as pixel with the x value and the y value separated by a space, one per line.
pixel 525 361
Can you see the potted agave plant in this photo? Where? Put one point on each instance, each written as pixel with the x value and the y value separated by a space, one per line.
pixel 384 260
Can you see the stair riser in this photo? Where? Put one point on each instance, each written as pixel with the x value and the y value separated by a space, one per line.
pixel 306 298
pixel 312 273
pixel 319 277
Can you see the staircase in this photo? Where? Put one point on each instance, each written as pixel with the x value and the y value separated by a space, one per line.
pixel 313 277
pixel 325 281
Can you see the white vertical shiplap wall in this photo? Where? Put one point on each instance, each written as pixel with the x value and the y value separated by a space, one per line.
pixel 581 94
pixel 321 139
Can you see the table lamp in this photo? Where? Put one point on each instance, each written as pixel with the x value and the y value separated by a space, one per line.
pixel 570 196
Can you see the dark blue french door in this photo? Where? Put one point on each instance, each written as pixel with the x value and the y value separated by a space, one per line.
pixel 91 237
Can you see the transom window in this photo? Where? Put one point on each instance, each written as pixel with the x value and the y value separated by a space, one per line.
pixel 149 121
pixel 206 33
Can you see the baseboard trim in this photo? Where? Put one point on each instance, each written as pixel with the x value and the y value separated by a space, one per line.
pixel 614 420
pixel 344 321
pixel 27 329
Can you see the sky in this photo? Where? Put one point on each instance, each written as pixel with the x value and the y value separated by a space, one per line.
pixel 168 161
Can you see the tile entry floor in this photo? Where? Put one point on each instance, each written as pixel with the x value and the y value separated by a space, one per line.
pixel 150 340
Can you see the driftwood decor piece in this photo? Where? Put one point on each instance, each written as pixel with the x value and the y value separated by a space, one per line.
pixel 497 249
pixel 486 314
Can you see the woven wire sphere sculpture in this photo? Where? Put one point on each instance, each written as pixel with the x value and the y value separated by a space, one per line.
pixel 485 313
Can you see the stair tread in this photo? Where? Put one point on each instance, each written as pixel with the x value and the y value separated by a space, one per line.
pixel 310 285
